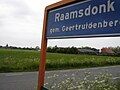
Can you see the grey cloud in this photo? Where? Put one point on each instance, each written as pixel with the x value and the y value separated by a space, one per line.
pixel 20 9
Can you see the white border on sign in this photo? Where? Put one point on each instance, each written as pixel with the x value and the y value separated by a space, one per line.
pixel 84 36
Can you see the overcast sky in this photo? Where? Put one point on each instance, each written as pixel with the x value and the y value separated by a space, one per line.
pixel 21 24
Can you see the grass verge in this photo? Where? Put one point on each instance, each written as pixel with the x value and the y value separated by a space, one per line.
pixel 28 60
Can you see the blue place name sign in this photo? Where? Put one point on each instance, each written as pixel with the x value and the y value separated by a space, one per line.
pixel 90 18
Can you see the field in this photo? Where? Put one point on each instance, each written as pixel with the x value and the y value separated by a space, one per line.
pixel 28 60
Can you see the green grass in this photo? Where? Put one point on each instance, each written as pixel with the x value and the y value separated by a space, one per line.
pixel 28 60
pixel 66 61
pixel 18 60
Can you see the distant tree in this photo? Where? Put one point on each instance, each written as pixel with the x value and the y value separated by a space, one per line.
pixel 19 48
pixel 116 50
pixel 49 49
pixel 37 48
pixel 54 49
pixel 6 46
pixel 72 50
pixel 1 47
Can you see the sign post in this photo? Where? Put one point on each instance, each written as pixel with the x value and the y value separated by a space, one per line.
pixel 78 19
pixel 41 73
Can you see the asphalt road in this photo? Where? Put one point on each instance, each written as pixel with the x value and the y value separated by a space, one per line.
pixel 28 80
pixel 18 81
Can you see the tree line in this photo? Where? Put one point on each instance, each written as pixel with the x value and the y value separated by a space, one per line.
pixel 67 50
pixel 85 50
pixel 72 50
pixel 21 48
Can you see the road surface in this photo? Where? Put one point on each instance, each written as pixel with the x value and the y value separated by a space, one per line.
pixel 28 80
